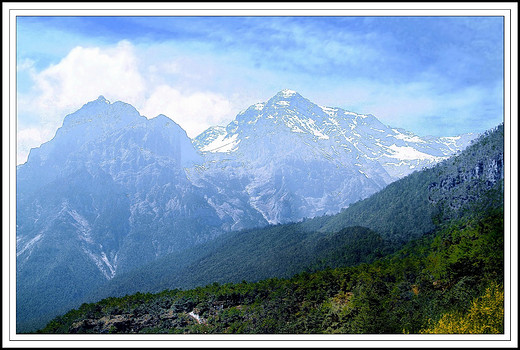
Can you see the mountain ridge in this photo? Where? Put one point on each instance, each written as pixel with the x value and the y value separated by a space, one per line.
pixel 403 260
pixel 407 209
pixel 351 151
pixel 113 185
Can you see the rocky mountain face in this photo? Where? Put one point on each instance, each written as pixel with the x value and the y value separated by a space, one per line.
pixel 105 195
pixel 117 181
pixel 294 159
pixel 480 171
pixel 461 251
pixel 114 190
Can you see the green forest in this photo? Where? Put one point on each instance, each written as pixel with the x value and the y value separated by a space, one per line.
pixel 427 286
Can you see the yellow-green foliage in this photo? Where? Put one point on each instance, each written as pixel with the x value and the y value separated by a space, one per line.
pixel 486 316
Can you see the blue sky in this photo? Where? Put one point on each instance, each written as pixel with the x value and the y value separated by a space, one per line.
pixel 437 76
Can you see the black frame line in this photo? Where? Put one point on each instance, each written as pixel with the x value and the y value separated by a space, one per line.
pixel 270 16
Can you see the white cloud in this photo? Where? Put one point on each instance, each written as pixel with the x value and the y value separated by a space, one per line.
pixel 29 138
pixel 25 65
pixel 83 75
pixel 120 73
pixel 88 72
pixel 194 112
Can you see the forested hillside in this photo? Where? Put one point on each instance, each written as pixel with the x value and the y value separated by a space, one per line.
pixel 277 251
pixel 427 286
pixel 115 192
pixel 414 205
pixel 374 227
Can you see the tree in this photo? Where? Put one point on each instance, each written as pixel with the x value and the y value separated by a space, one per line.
pixel 486 316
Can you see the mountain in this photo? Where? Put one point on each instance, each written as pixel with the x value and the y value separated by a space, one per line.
pixel 114 191
pixel 295 159
pixel 450 282
pixel 107 194
pixel 429 259
pixel 407 209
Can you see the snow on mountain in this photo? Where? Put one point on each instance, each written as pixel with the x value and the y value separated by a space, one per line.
pixel 208 137
pixel 114 190
pixel 280 160
pixel 221 143
pixel 291 155
pixel 108 188
pixel 348 130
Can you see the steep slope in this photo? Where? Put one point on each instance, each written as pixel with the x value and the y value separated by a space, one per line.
pixel 429 197
pixel 402 211
pixel 453 278
pixel 109 187
pixel 295 159
pixel 113 190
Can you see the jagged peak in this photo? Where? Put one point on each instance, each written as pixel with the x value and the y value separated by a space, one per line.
pixel 101 110
pixel 212 130
pixel 165 121
pixel 160 117
pixel 100 101
pixel 287 93
pixel 215 128
pixel 102 98
pixel 283 98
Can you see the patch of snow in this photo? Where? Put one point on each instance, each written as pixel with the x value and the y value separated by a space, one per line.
pixel 450 142
pixel 259 106
pixel 100 263
pixel 362 172
pixel 288 93
pixel 82 225
pixel 450 138
pixel 409 153
pixel 401 163
pixel 310 125
pixel 330 111
pixel 111 267
pixel 30 244
pixel 399 135
pixel 223 143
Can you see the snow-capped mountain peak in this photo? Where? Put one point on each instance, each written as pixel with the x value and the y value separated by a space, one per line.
pixel 287 93
pixel 289 125
pixel 209 138
pixel 114 190
pixel 293 151
pixel 102 99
